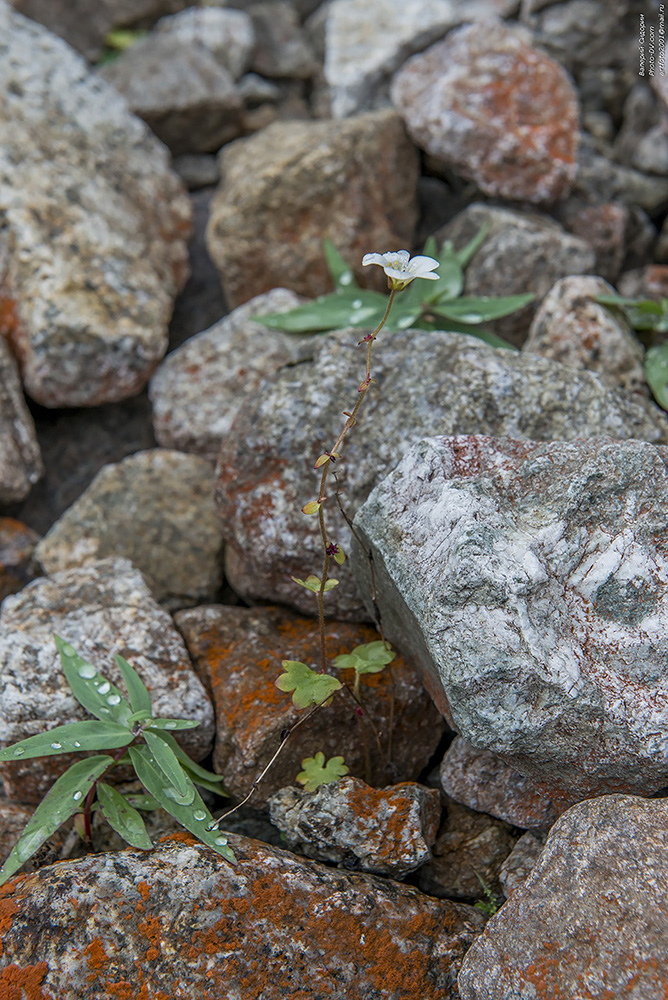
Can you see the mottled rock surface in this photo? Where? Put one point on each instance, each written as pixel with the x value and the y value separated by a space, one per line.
pixel 154 508
pixel 470 846
pixel 495 109
pixel 198 389
pixel 590 920
pixel 522 252
pixel 482 781
pixel 20 459
pixel 237 653
pixel 102 609
pixel 17 562
pixel 228 34
pixel 296 183
pixel 387 831
pixel 365 43
pixel 529 582
pixel 571 327
pixel 96 221
pixel 265 472
pixel 281 48
pixel 193 925
pixel 521 861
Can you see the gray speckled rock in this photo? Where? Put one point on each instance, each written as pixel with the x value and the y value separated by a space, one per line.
pixel 20 459
pixel 228 34
pixel 520 862
pixel 529 582
pixel 96 220
pixel 487 103
pixel 386 831
pixel 591 918
pixel 180 89
pixel 156 509
pixel 571 327
pixel 281 48
pixel 367 42
pixel 198 389
pixel 102 609
pixel 426 383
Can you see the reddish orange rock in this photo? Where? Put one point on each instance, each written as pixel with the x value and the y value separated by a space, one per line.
pixel 237 653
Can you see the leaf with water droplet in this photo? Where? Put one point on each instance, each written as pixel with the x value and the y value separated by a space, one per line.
pixel 155 782
pixel 198 774
pixel 174 724
pixel 57 806
pixel 122 817
pixel 89 691
pixel 167 761
pixel 140 699
pixel 88 735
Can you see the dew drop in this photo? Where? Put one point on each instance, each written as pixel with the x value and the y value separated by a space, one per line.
pixel 68 651
pixel 345 278
pixel 220 841
pixel 87 671
pixel 357 303
pixel 56 746
pixel 114 699
pixel 199 815
pixel 19 751
pixel 183 800
pixel 104 687
pixel 170 725
pixel 77 795
pixel 76 743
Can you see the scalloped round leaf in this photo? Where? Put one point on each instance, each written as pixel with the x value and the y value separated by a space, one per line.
pixel 316 773
pixel 369 658
pixel 308 687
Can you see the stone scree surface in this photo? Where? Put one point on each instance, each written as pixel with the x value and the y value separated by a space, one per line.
pixel 530 583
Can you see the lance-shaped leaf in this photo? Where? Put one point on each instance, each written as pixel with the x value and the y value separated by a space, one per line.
pixel 467 253
pixel 656 372
pixel 370 658
pixel 167 761
pixel 315 772
pixel 121 816
pixel 63 799
pixel 97 695
pixel 140 699
pixel 173 724
pixel 482 310
pixel 341 274
pixel 308 687
pixel 356 307
pixel 450 276
pixel 188 809
pixel 71 738
pixel 199 774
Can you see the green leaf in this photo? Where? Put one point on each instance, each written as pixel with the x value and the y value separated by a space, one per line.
pixel 482 310
pixel 167 761
pixel 71 738
pixel 352 307
pixel 122 38
pixel 200 775
pixel 173 724
pixel 449 326
pixel 642 314
pixel 97 695
pixel 140 699
pixel 313 583
pixel 63 799
pixel 188 809
pixel 369 658
pixel 308 686
pixel 342 276
pixel 451 276
pixel 145 802
pixel 467 253
pixel 316 772
pixel 656 372
pixel 121 816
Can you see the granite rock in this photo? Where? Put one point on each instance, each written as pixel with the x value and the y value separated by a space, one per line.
pixel 387 831
pixel 17 562
pixel 365 44
pixel 181 921
pixel 154 508
pixel 529 583
pixel 611 229
pixel 426 383
pixel 198 389
pixel 571 327
pixel 96 220
pixel 483 782
pixel 20 459
pixel 601 179
pixel 237 653
pixel 649 282
pixel 228 34
pixel 296 183
pixel 495 109
pixel 590 920
pixel 521 861
pixel 102 609
pixel 281 49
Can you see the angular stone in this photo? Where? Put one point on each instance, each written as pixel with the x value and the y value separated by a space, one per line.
pixel 154 508
pixel 529 583
pixel 180 90
pixel 194 925
pixel 367 42
pixel 605 228
pixel 281 49
pixel 482 781
pixel 102 609
pixel 385 831
pixel 17 563
pixel 571 327
pixel 20 458
pixel 198 389
pixel 495 109
pixel 470 846
pixel 522 252
pixel 521 861
pixel 265 471
pixel 592 914
pixel 600 179
pixel 227 34
pixel 649 282
pixel 97 224
pixel 237 653
pixel 582 32
pixel 296 183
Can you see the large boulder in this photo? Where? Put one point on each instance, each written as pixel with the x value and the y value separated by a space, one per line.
pixel 20 459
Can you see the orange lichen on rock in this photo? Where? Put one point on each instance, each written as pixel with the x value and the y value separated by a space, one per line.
pixel 23 983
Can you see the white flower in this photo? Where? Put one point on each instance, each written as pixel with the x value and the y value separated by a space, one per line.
pixel 401 268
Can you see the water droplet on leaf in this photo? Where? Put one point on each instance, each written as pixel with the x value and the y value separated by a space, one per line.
pixel 357 303
pixel 170 725
pixel 345 278
pixel 199 814
pixel 114 699
pixel 76 743
pixel 56 746
pixel 19 751
pixel 68 651
pixel 87 671
pixel 220 841
pixel 77 795
pixel 104 687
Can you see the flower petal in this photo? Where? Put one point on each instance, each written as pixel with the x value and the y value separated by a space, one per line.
pixel 422 265
pixel 373 258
